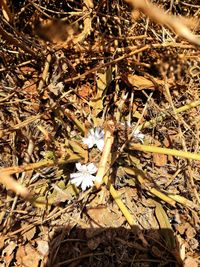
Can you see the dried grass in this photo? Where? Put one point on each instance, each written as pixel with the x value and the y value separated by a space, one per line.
pixel 67 67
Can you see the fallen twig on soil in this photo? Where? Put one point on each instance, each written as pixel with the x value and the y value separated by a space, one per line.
pixel 45 73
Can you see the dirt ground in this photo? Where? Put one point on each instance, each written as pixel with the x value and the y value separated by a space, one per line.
pixel 99 133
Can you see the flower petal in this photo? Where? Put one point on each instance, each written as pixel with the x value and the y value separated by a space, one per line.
pixel 138 135
pixel 136 132
pixel 99 133
pixel 141 137
pixel 75 175
pixel 87 182
pixel 79 166
pixel 91 168
pixel 89 141
pixel 83 177
pixel 100 144
pixel 77 181
pixel 91 132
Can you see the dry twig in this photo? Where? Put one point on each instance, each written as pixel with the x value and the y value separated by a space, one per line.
pixel 158 15
pixel 12 40
pixel 13 185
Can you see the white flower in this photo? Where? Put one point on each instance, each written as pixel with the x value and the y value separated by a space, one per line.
pixel 138 135
pixel 95 137
pixel 84 177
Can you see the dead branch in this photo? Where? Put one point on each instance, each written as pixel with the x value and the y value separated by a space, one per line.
pixel 13 185
pixel 12 40
pixel 6 10
pixel 158 15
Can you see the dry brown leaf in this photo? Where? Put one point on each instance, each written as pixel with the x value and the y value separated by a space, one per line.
pixel 181 228
pixel 104 79
pixel 62 193
pixel 159 160
pixel 104 217
pixel 84 90
pixel 140 82
pixel 27 256
pixel 8 253
pixel 27 70
pixel 2 241
pixel 190 232
pixel 171 159
pixel 7 260
pixel 77 148
pixel 187 229
pixel 8 250
pixel 166 142
pixel 30 87
pixel 30 233
pixel 43 247
pixel 190 262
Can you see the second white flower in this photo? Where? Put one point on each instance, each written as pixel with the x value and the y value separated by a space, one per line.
pixel 95 137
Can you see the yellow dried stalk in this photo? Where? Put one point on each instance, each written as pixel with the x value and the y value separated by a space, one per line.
pixel 119 202
pixel 108 141
pixel 167 151
pixel 41 164
pixel 143 181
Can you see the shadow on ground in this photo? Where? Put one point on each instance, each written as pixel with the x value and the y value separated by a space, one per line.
pixel 112 247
